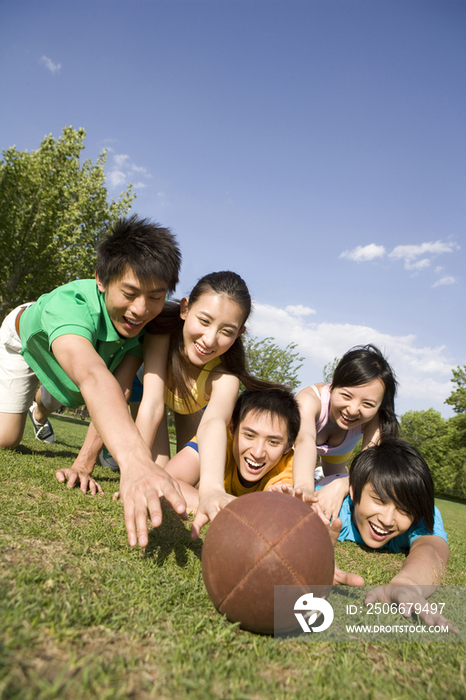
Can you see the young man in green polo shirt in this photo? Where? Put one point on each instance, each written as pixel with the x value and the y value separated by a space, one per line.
pixel 72 339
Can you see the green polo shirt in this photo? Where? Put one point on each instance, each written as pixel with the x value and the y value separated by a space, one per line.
pixel 77 308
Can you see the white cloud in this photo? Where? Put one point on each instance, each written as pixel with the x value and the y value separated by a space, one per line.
pixel 140 169
pixel 116 178
pixel 162 200
pixel 53 67
pixel 300 310
pixel 423 372
pixel 419 265
pixel 122 169
pixel 410 253
pixel 414 256
pixel 364 253
pixel 120 160
pixel 448 279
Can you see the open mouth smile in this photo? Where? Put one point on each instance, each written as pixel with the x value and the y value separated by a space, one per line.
pixel 253 466
pixel 202 351
pixel 131 322
pixel 379 533
pixel 348 420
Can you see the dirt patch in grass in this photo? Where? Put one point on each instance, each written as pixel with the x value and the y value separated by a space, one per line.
pixel 97 662
pixel 31 551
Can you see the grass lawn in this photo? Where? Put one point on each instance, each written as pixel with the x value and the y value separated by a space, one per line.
pixel 85 616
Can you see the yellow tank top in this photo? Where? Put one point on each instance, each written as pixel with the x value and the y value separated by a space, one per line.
pixel 198 399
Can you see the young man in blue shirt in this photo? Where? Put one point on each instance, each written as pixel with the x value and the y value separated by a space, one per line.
pixel 391 507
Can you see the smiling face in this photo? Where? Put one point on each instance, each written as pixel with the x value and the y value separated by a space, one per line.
pixel 131 303
pixel 355 405
pixel 259 443
pixel 211 326
pixel 378 521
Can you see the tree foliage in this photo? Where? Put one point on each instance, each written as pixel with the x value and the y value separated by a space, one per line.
pixel 329 370
pixel 442 443
pixel 458 397
pixel 53 212
pixel 266 360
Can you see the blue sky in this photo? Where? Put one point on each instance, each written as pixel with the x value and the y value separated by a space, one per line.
pixel 316 147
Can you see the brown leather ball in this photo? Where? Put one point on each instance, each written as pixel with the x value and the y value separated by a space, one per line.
pixel 259 541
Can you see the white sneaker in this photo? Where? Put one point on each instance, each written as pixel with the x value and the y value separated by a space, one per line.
pixel 43 431
pixel 106 460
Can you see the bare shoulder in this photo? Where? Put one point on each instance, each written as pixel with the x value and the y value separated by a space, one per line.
pixel 308 396
pixel 221 375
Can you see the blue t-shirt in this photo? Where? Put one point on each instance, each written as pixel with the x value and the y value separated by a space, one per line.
pixel 400 543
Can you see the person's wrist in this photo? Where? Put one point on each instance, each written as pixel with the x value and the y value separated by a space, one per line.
pixel 209 489
pixel 304 485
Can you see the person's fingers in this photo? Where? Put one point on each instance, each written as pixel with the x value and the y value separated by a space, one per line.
pixel 345 578
pixel 334 530
pixel 60 476
pixel 155 512
pixel 93 487
pixel 174 497
pixel 310 499
pixel 84 484
pixel 354 579
pixel 130 521
pixel 199 521
pixel 72 478
pixel 322 516
pixel 141 520
pixel 372 595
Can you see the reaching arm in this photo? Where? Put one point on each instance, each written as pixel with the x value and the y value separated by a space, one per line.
pixel 425 563
pixel 305 449
pixel 330 497
pixel 418 578
pixel 142 482
pixel 340 577
pixel 212 441
pixel 153 398
pixel 83 465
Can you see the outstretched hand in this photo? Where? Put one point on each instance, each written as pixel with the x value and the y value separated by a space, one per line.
pixel 305 493
pixel 340 577
pixel 141 492
pixel 331 496
pixel 210 504
pixel 75 477
pixel 410 601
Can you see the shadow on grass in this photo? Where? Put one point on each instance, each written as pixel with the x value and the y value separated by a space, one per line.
pixel 22 449
pixel 69 419
pixel 112 479
pixel 454 499
pixel 172 536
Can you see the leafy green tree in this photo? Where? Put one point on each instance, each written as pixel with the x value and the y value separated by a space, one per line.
pixel 329 370
pixel 53 212
pixel 442 443
pixel 458 397
pixel 266 360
